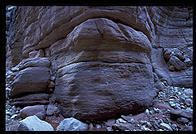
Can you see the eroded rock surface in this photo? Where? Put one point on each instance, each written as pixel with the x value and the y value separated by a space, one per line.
pixel 98 62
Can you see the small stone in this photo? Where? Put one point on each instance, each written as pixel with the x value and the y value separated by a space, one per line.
pixel 172 104
pixel 182 120
pixel 188 92
pixel 109 129
pixel 165 83
pixel 145 128
pixel 90 127
pixel 98 126
pixel 188 128
pixel 120 120
pixel 8 89
pixel 14 116
pixel 51 109
pixel 183 97
pixel 148 124
pixel 8 113
pixel 132 121
pixel 171 68
pixel 51 84
pixel 188 102
pixel 52 78
pixel 157 110
pixel 175 89
pixel 179 93
pixel 143 122
pixel 160 121
pixel 174 126
pixel 166 126
pixel 147 111
pixel 14 69
pixel 32 54
pixel 177 105
pixel 155 125
pixel 190 123
pixel 151 111
pixel 110 122
pixel 188 62
pixel 189 110
pixel 50 90
pixel 72 124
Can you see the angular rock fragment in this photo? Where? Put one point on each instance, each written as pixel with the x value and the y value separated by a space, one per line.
pixel 178 64
pixel 72 124
pixel 51 109
pixel 33 123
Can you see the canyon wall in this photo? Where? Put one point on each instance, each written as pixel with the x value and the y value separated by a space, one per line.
pixel 97 62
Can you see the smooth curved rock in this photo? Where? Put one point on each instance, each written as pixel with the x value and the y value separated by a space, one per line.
pixel 72 124
pixel 38 110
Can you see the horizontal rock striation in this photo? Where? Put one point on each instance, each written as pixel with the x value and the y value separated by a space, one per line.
pixel 174 32
pixel 98 62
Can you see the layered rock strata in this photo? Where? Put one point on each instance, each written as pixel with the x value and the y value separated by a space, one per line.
pixel 98 62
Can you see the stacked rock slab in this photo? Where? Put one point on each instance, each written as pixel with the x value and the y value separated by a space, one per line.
pixel 30 81
pixel 32 77
pixel 106 60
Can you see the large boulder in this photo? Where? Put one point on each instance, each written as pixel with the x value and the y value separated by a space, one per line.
pixel 103 73
pixel 30 80
pixel 33 123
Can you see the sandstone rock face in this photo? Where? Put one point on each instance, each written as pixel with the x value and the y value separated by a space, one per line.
pixel 103 61
pixel 30 80
pixel 31 99
pixel 174 33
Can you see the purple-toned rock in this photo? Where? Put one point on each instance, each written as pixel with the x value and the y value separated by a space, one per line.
pixel 38 110
pixel 30 80
pixel 31 99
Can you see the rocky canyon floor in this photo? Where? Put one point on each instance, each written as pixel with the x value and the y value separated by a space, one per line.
pixel 172 111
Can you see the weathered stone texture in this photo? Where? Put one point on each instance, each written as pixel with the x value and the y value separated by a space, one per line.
pixel 106 61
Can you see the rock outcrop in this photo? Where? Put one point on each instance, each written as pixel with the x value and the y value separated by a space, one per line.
pixel 98 62
pixel 174 36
